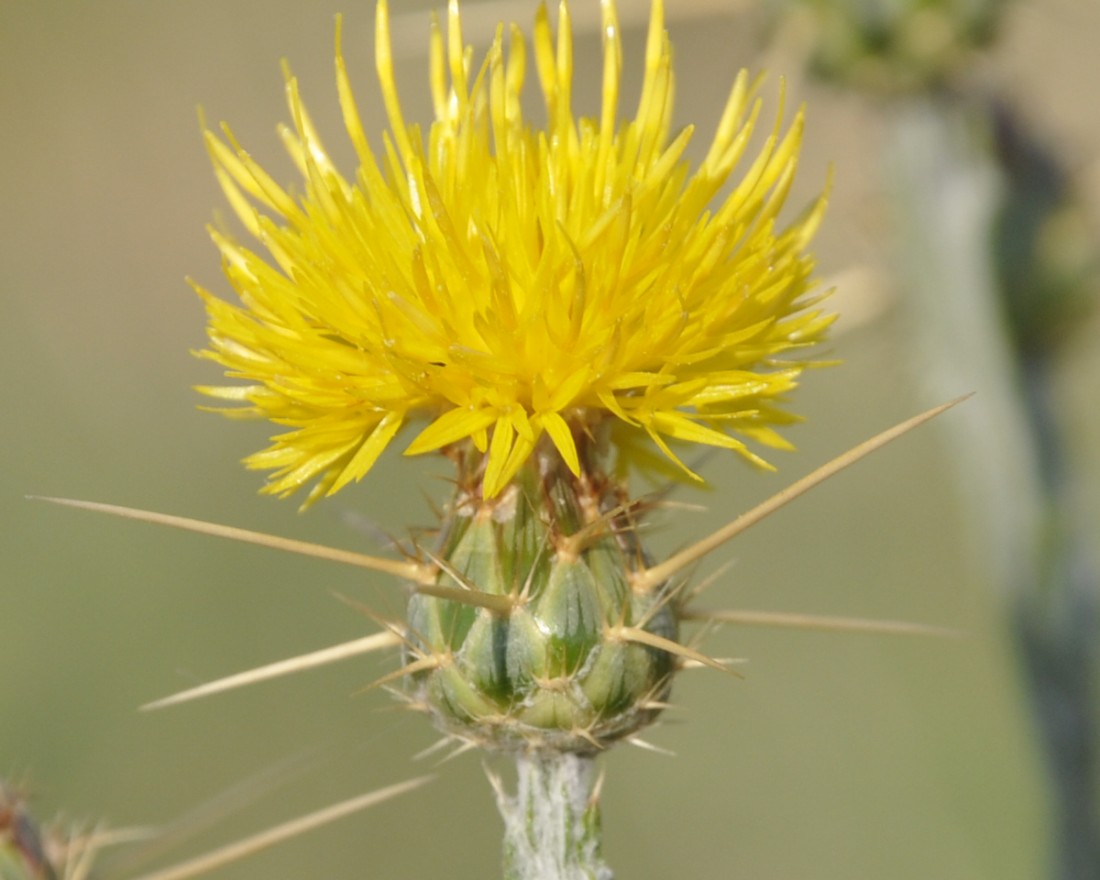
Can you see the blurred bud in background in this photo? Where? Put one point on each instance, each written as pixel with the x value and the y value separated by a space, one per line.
pixel 892 45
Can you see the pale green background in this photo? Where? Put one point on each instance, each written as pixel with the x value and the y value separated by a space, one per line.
pixel 838 757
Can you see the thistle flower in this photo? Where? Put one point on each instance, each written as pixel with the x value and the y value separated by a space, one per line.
pixel 542 299
pixel 507 283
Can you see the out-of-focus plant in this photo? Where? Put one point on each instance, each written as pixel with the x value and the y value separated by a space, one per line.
pixel 1000 265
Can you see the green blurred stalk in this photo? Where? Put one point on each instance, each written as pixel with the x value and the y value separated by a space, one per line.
pixel 951 190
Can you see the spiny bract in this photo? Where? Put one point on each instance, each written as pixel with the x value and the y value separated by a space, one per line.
pixel 571 659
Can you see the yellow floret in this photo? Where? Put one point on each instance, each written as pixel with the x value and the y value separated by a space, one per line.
pixel 508 283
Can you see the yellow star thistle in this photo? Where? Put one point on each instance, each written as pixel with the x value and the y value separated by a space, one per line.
pixel 508 282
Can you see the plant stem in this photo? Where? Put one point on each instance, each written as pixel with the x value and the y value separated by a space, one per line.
pixel 552 824
pixel 1013 457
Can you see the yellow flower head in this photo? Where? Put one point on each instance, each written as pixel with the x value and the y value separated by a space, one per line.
pixel 505 282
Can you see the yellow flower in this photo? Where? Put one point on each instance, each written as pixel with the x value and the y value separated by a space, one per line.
pixel 508 283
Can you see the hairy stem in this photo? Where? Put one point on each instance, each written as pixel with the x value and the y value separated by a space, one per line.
pixel 552 823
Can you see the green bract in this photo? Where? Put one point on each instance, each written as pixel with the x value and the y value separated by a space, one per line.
pixel 559 663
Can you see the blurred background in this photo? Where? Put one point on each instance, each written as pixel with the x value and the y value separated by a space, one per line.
pixel 965 147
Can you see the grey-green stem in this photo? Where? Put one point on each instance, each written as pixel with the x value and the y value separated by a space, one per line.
pixel 1012 457
pixel 552 823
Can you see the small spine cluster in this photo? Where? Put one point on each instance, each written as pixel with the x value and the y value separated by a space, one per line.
pixel 29 851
